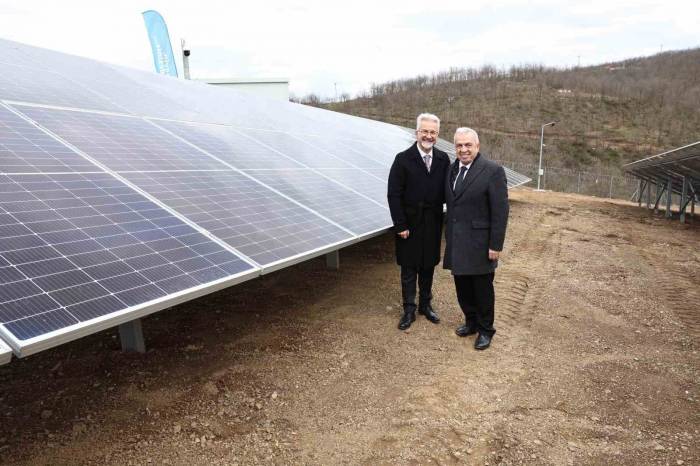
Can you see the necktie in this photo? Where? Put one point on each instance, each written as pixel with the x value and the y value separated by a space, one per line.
pixel 460 177
pixel 426 159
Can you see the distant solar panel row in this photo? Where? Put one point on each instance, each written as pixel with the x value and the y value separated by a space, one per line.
pixel 124 192
pixel 672 165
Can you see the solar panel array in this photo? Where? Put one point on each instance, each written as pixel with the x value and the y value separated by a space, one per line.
pixel 124 192
pixel 672 165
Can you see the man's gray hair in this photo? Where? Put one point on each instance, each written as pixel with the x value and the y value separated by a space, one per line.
pixel 427 116
pixel 465 130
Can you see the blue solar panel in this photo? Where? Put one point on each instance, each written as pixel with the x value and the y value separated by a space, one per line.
pixel 121 143
pixel 229 145
pixel 358 157
pixel 339 203
pixel 297 149
pixel 372 183
pixel 77 247
pixel 24 148
pixel 258 222
pixel 28 84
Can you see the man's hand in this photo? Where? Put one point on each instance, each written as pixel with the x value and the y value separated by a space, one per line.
pixel 493 255
pixel 403 234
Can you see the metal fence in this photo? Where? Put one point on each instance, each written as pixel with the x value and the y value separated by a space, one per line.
pixel 574 181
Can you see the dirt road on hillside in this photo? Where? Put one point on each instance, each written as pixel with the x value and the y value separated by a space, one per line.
pixel 595 362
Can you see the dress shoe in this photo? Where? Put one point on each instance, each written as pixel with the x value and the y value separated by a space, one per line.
pixel 482 342
pixel 429 314
pixel 465 330
pixel 407 319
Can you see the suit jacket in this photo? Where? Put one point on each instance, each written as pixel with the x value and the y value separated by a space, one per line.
pixel 415 200
pixel 477 216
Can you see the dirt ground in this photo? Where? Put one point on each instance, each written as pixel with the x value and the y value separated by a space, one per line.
pixel 595 362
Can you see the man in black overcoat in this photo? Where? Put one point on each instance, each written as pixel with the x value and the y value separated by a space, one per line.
pixel 416 196
pixel 476 193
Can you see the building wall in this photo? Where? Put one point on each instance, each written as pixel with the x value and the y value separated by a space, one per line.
pixel 278 90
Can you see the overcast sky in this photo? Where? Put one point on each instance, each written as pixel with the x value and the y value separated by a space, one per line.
pixel 353 43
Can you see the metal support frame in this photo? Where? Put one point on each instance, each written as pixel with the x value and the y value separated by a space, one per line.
pixel 660 188
pixel 641 184
pixel 648 194
pixel 684 198
pixel 578 184
pixel 333 260
pixel 131 336
pixel 669 197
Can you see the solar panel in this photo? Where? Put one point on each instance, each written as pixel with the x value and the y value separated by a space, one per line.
pixel 229 145
pixel 121 143
pixel 358 157
pixel 371 183
pixel 297 149
pixel 355 212
pixel 24 148
pixel 671 165
pixel 78 249
pixel 263 225
pixel 515 179
pixel 47 87
pixel 383 154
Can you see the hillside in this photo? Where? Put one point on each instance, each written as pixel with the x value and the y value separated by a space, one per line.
pixel 606 115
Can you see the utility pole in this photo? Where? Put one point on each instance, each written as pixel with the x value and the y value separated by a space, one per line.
pixel 185 59
pixel 336 91
pixel 539 171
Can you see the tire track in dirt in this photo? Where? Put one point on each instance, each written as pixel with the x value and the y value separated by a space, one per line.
pixel 522 282
pixel 677 284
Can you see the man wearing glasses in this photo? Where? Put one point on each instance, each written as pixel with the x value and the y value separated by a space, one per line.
pixel 416 195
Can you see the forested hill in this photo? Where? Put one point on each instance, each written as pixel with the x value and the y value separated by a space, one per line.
pixel 606 115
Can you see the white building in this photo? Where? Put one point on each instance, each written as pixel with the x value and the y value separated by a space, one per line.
pixel 274 88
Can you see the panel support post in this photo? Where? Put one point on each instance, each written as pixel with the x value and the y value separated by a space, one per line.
pixel 684 198
pixel 669 197
pixel 649 194
pixel 659 193
pixel 333 260
pixel 131 336
pixel 578 184
pixel 640 191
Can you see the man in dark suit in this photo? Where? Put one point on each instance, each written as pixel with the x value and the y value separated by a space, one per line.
pixel 416 196
pixel 477 215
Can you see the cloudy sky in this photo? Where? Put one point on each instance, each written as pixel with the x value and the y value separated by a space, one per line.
pixel 348 45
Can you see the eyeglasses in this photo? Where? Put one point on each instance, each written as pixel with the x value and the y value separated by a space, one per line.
pixel 428 132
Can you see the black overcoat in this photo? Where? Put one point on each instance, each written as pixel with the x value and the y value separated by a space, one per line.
pixel 416 200
pixel 477 216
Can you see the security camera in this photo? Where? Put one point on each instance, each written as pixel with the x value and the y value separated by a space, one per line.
pixel 186 53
